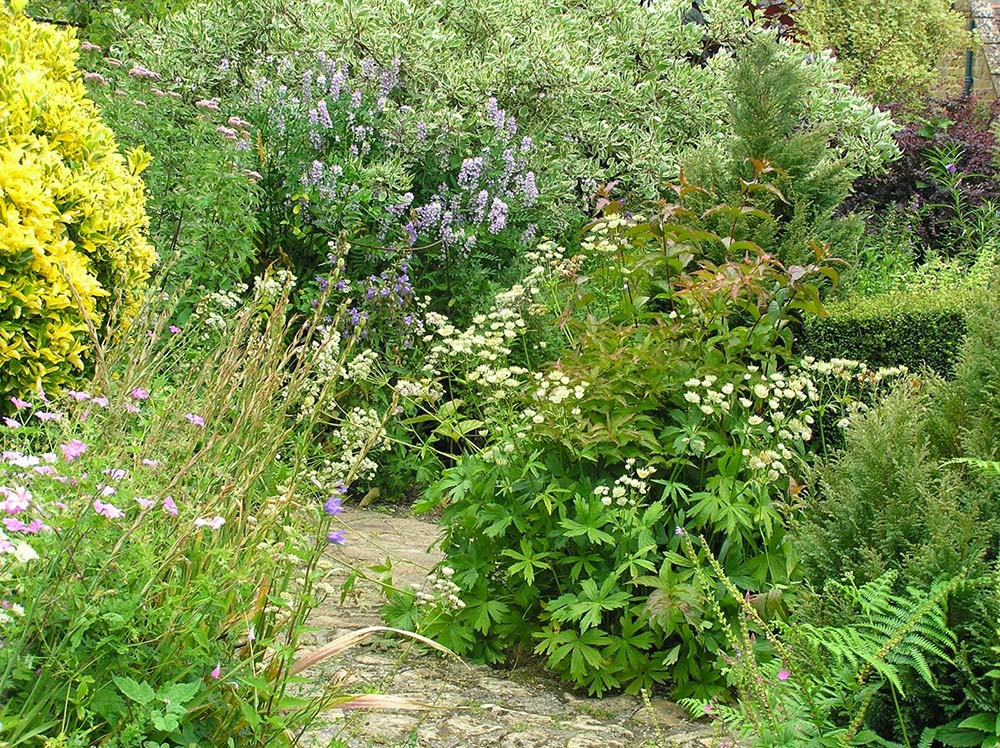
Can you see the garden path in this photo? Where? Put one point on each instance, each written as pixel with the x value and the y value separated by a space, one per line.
pixel 475 707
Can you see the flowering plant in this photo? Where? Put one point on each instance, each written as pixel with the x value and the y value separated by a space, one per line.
pixel 163 534
pixel 677 402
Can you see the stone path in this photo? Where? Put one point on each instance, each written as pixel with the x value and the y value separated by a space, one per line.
pixel 474 706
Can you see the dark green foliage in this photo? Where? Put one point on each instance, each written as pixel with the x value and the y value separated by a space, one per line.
pixel 977 378
pixel 897 329
pixel 909 494
pixel 872 503
pixel 202 207
pixel 564 533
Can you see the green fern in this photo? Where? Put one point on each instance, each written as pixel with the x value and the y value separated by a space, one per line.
pixel 894 632
pixel 835 671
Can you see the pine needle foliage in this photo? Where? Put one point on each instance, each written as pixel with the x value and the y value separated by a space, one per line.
pixel 769 121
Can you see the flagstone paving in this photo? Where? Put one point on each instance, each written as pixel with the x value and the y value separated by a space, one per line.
pixel 473 706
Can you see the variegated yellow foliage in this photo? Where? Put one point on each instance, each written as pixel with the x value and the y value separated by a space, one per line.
pixel 72 210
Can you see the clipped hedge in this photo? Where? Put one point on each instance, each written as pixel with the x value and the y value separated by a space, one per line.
pixel 72 210
pixel 913 329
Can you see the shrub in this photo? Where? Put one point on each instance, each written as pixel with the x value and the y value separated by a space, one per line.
pixel 615 111
pixel 673 405
pixel 944 183
pixel 884 49
pixel 202 204
pixel 895 329
pixel 72 207
pixel 768 123
pixel 908 496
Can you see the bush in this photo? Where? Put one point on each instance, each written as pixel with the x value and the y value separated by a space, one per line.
pixel 768 123
pixel 888 50
pixel 674 405
pixel 896 329
pixel 945 183
pixel 72 208
pixel 908 496
pixel 628 109
pixel 203 208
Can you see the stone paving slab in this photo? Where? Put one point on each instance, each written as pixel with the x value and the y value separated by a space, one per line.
pixel 474 707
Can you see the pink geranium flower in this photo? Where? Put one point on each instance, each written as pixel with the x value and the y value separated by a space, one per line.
pixel 13 524
pixel 169 506
pixel 195 419
pixel 20 404
pixel 107 510
pixel 213 522
pixel 139 393
pixel 73 450
pixel 16 499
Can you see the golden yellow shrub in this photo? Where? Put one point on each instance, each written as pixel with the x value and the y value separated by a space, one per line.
pixel 72 210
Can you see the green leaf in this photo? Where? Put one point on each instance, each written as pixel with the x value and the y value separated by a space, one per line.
pixel 982 721
pixel 141 693
pixel 167 722
pixel 179 693
pixel 526 561
pixel 486 611
pixel 250 714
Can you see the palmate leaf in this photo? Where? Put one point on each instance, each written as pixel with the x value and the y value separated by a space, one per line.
pixel 590 519
pixel 526 561
pixel 581 648
pixel 627 650
pixel 482 612
pixel 499 519
pixel 576 529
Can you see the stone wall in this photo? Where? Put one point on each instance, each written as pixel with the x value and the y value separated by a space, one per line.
pixel 986 53
pixel 952 68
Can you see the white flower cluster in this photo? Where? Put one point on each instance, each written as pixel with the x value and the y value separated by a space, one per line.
pixel 854 409
pixel 268 287
pixel 215 307
pixel 439 589
pixel 482 348
pixel 847 370
pixel 325 355
pixel 360 435
pixel 555 387
pixel 360 367
pixel 771 460
pixel 498 452
pixel 428 390
pixel 627 488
